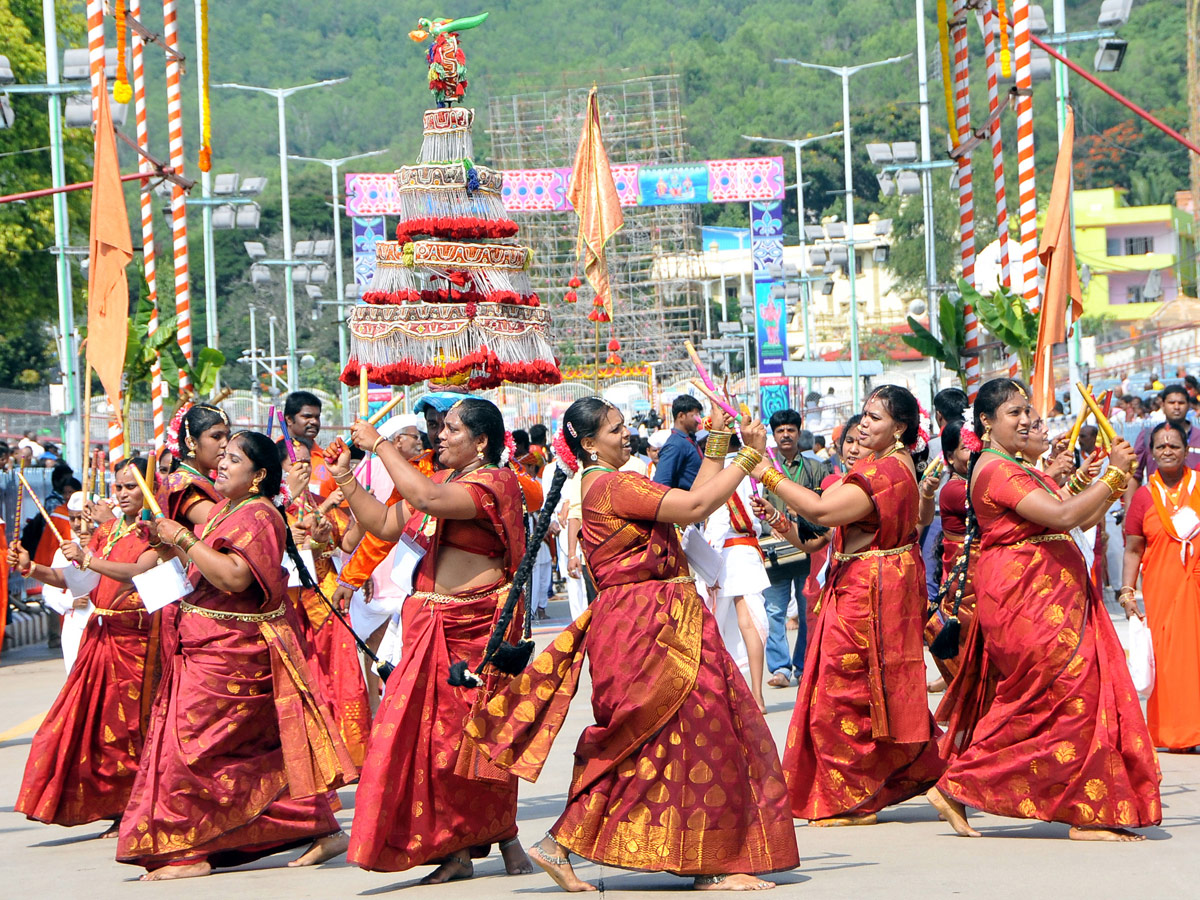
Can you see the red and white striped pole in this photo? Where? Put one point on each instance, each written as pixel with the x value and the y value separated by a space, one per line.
pixel 1026 168
pixel 183 304
pixel 95 36
pixel 116 442
pixel 966 190
pixel 157 385
pixel 990 23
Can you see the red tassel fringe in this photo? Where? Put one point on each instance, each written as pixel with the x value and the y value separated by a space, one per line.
pixel 449 295
pixel 486 368
pixel 459 228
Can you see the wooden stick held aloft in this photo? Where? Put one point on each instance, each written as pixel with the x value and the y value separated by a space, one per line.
pixel 38 503
pixel 148 498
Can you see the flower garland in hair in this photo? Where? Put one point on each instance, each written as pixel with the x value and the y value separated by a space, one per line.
pixel 172 439
pixel 966 435
pixel 284 498
pixel 565 458
pixel 923 426
pixel 509 453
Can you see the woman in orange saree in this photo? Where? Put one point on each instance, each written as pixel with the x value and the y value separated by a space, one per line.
pixel 84 757
pixel 1043 719
pixel 318 526
pixel 426 796
pixel 241 760
pixel 679 774
pixel 861 736
pixel 1160 529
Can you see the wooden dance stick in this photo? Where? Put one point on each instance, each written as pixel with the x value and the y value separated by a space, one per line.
pixel 148 498
pixel 20 500
pixel 1101 419
pixel 271 420
pixel 710 387
pixel 38 503
pixel 379 416
pixel 363 406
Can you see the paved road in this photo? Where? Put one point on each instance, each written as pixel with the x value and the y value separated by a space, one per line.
pixel 910 854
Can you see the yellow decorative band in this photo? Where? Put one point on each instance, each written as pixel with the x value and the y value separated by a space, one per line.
pixel 232 616
pixel 1043 539
pixel 433 597
pixel 116 612
pixel 873 554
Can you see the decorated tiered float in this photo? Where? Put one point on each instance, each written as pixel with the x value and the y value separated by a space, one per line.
pixel 451 299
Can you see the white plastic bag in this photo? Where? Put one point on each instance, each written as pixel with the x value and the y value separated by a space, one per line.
pixel 1141 656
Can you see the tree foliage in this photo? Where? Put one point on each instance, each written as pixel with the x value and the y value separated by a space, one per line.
pixel 950 348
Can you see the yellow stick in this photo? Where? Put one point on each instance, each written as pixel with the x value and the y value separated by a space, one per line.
pixel 147 495
pixel 362 392
pixel 38 503
pixel 1084 413
pixel 387 408
pixel 1101 419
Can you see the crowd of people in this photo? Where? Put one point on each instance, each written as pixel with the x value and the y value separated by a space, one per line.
pixel 263 622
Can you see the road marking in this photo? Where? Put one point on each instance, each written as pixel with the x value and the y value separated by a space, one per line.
pixel 27 727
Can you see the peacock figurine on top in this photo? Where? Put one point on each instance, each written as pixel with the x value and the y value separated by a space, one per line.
pixel 447 62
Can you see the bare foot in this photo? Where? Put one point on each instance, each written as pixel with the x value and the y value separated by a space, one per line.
pixel 515 860
pixel 322 850
pixel 113 829
pixel 841 821
pixel 1117 835
pixel 733 883
pixel 457 868
pixel 170 873
pixel 936 687
pixel 952 811
pixel 553 858
pixel 758 698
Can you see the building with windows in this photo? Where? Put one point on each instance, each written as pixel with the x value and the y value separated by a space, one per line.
pixel 1133 259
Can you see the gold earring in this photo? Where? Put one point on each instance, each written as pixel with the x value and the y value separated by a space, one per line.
pixel 255 483
pixel 899 443
pixel 191 444
pixel 987 433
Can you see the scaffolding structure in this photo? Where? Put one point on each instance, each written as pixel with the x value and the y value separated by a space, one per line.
pixel 654 308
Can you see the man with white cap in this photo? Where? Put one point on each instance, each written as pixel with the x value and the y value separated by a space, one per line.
pixel 654 445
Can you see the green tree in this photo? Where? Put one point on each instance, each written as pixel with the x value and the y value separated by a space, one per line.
pixel 28 283
pixel 1006 316
pixel 950 348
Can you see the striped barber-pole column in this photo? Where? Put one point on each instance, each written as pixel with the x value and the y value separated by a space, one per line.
pixel 966 190
pixel 1026 169
pixel 157 385
pixel 990 23
pixel 116 442
pixel 95 36
pixel 183 306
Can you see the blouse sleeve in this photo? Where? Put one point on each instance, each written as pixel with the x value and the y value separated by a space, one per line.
pixel 636 497
pixel 953 498
pixel 1005 484
pixel 1135 516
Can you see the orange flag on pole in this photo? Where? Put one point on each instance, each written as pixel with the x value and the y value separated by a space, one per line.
pixel 111 251
pixel 593 193
pixel 1057 253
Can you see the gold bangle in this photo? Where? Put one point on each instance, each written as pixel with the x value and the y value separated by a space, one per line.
pixel 87 561
pixel 1116 480
pixel 717 445
pixel 343 483
pixel 747 459
pixel 1126 590
pixel 771 479
pixel 375 445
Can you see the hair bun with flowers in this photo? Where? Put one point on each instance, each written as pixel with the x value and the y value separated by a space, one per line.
pixel 923 426
pixel 966 434
pixel 509 453
pixel 565 458
pixel 171 439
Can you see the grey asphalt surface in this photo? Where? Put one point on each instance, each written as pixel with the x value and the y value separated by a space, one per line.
pixel 910 854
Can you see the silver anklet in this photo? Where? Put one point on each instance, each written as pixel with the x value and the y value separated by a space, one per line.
pixel 553 860
pixel 709 879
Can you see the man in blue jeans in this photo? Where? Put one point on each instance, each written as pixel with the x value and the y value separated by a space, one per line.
pixel 808 471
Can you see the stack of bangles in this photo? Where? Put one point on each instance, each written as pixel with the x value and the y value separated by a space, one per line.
pixel 349 479
pixel 1080 480
pixel 1127 596
pixel 716 446
pixel 185 540
pixel 1117 481
pixel 747 459
pixel 777 520
pixel 771 479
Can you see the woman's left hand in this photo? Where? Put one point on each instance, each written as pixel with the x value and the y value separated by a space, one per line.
pixel 169 530
pixel 71 551
pixel 1061 465
pixel 364 434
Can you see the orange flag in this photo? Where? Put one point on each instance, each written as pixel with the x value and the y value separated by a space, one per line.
pixel 1057 253
pixel 593 193
pixel 111 251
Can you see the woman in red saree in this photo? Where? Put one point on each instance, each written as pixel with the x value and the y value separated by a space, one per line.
pixel 197 438
pixel 679 774
pixel 861 736
pixel 1043 719
pixel 426 795
pixel 240 761
pixel 319 526
pixel 85 755
pixel 1160 535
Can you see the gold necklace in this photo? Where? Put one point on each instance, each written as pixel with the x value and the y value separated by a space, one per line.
pixel 120 530
pixel 213 523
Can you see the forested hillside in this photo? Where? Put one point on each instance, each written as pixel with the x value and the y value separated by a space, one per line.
pixel 722 51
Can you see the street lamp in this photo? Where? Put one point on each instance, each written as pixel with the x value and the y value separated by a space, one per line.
pixel 280 95
pixel 844 72
pixel 334 164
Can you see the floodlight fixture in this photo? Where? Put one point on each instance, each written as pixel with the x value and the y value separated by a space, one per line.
pixel 6 72
pixel 883 226
pixel 908 183
pixel 1114 12
pixel 248 215
pixel 905 151
pixel 323 248
pixel 256 249
pixel 887 184
pixel 879 154
pixel 814 233
pixel 1110 54
pixel 303 248
pixel 226 183
pixel 253 185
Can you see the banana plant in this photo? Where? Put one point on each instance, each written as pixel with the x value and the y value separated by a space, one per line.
pixel 950 347
pixel 1006 316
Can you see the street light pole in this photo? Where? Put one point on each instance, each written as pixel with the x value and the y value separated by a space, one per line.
pixel 844 72
pixel 66 313
pixel 806 291
pixel 931 301
pixel 281 95
pixel 334 165
pixel 211 330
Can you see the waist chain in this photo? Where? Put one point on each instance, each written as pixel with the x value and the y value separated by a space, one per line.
pixel 232 616
pixel 434 597
pixel 1042 539
pixel 872 554
pixel 116 612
